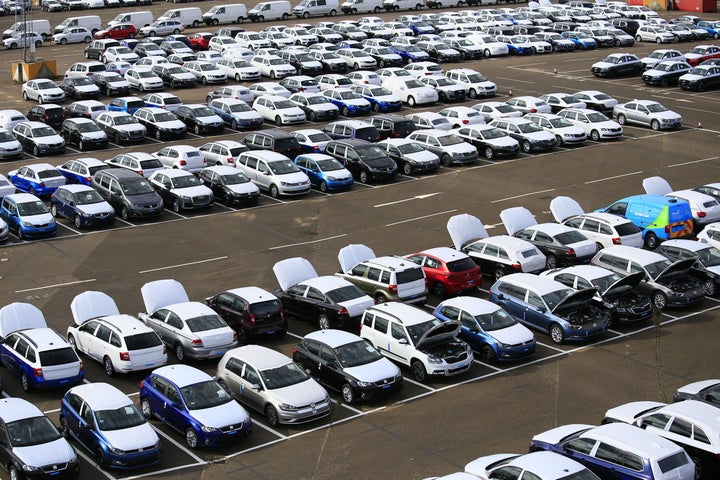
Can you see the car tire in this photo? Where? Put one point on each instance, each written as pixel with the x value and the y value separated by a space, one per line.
pixel 81 145
pixel 489 153
pixel 179 352
pixel 32 191
pixel 204 80
pixel 25 96
pixel 664 82
pixel 278 121
pixel 499 273
pixel 701 87
pixel 376 10
pixel 176 205
pixel 638 38
pixel 558 141
pixel 407 168
pixel 659 300
pixel 77 221
pixel 595 136
pixel 348 394
pixel 191 439
pixel 64 429
pixel 651 241
pixel 526 146
pixel 87 39
pixel 145 408
pixel 117 138
pixel 323 322
pixel 35 151
pixel 655 125
pixel 411 102
pixel 72 342
pixel 709 287
pixel 556 333
pixel 487 354
pixel 108 366
pixel 25 382
pixel 376 107
pixel 621 119
pixel 345 112
pixel 271 416
pixel 699 467
pixel 124 213
pixel 14 475
pixel 418 371
pixel 380 298
pixel 323 186
pixel 158 135
pixel 364 176
pixel 446 160
pixel 196 130
pixel 285 16
pixel 273 75
pixel 234 124
pixel 551 262
pixel 353 11
pixel 274 191
pixel 438 289
pixel 53 211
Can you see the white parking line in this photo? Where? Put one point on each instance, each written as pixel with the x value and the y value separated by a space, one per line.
pixel 492 367
pixel 522 195
pixel 91 461
pixel 55 285
pixel 417 384
pixel 184 264
pixel 613 177
pixel 308 243
pixel 71 229
pixel 691 162
pixel 420 218
pixel 552 347
pixel 177 444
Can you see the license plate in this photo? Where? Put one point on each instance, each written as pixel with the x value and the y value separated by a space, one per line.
pixel 471 282
pixel 270 332
pixel 149 364
pixel 216 353
pixel 386 386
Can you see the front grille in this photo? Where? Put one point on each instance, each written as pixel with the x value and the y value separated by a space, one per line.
pixel 231 428
pixel 201 200
pixel 56 467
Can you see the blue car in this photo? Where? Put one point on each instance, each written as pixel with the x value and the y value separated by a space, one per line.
pixel 35 353
pixel 582 41
pixel 325 172
pixel 83 205
pixel 419 27
pixel 410 53
pixel 710 26
pixel 126 104
pixel 515 48
pixel 550 307
pixel 81 170
pixel 348 101
pixel 381 99
pixel 27 216
pixel 488 329
pixel 109 425
pixel 191 402
pixel 38 179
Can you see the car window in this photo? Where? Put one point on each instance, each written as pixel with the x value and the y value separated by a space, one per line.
pixel 397 331
pixel 381 324
pixel 315 294
pixel 507 472
pixel 174 321
pixel 581 445
pixel 681 427
pixel 657 420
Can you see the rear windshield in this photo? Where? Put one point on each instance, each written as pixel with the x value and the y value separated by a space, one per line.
pixel 286 144
pixel 60 356
pixel 205 322
pixel 136 104
pixel 152 163
pixel 625 229
pixel 265 308
pixel 461 265
pixel 343 294
pixel 142 341
pixel 410 275
pixel 673 461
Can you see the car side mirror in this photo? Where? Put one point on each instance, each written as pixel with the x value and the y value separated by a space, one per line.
pixel 256 387
pixel 86 426
pixel 501 296
pixel 540 309
pixel 403 341
pixel 72 204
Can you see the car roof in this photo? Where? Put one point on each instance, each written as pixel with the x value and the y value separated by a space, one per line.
pixel 22 197
pixel 326 283
pixel 260 357
pixel 685 244
pixel 638 254
pixel 406 314
pixel 252 294
pixel 45 338
pixel 633 439
pixel 333 338
pixel 101 396
pixel 76 188
pixel 699 412
pixel 15 408
pixel 174 172
pixel 541 285
pixel 446 254
pixel 182 375
pixel 473 305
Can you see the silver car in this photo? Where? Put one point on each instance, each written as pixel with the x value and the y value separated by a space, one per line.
pixel 271 383
pixel 647 112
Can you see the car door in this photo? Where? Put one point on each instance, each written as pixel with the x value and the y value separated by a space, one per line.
pixel 87 427
pixel 264 175
pixel 535 312
pixel 329 369
pixel 294 301
pixel 85 340
pixel 12 351
pixel 171 408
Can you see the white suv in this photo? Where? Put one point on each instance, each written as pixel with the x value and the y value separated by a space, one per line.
pixel 476 84
pixel 416 339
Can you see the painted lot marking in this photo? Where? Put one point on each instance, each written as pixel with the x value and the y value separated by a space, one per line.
pixel 308 243
pixel 613 177
pixel 420 218
pixel 522 195
pixel 691 162
pixel 184 264
pixel 55 285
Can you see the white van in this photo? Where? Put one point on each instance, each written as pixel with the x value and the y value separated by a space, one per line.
pixel 231 13
pixel 188 16
pixel 139 19
pixel 41 27
pixel 276 10
pixel 397 5
pixel 312 8
pixel 93 23
pixel 361 6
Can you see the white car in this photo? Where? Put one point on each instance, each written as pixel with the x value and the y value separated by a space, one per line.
pixel 240 70
pixel 300 35
pixel 475 83
pixel 709 235
pixel 9 148
pixel 274 172
pixel 120 342
pixel 705 208
pixel 411 90
pixel 430 120
pixel 260 89
pixel 119 54
pixel 162 28
pixel 237 92
pixel 647 112
pixel 493 110
pixel 143 79
pixel 661 55
pixel 527 104
pixel 356 58
pixel 218 43
pixel 222 152
pixel 596 100
pixel 42 90
pixel 209 56
pixel 73 35
pixel 566 132
pixel 423 69
pixel 279 110
pixel 461 116
pixel 205 72
pixel 537 465
pixel 596 125
pixel 491 47
pixel 650 33
pixel 184 157
pixel 273 66
pixel 364 77
pixel 252 40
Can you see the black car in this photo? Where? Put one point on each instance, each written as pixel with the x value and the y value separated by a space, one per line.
pixel 490 141
pixel 617 64
pixel 121 127
pixel 275 140
pixel 181 190
pixel 392 126
pixel 439 52
pixel 84 108
pixel 665 73
pixel 48 113
pixel 331 62
pixel 365 160
pixel 303 62
pixel 200 119
pixel 175 76
pixel 708 258
pixel 626 25
pixel 250 311
pixel 160 123
pixel 112 84
pixel 79 88
pixel 84 133
pixel 347 364
pixel 226 184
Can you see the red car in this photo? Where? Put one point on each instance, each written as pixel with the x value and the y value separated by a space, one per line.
pixel 118 32
pixel 701 53
pixel 447 271
pixel 200 40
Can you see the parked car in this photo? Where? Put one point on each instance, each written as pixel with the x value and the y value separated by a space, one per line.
pixel 325 172
pixel 539 465
pixel 41 179
pixel 708 260
pixel 42 90
pixel 448 272
pixel 80 88
pixel 647 112
pixel 490 141
pixel 84 133
pixel 121 127
pixel 181 190
pixel 409 155
pixel 617 64
pixel 82 205
pixel 707 391
pixel 48 113
pixel 160 123
pixel 665 73
pixel 27 216
pixel 229 185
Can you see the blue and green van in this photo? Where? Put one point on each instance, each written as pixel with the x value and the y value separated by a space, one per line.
pixel 660 218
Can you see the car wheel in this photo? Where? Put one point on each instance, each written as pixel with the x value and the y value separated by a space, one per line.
pixel 176 205
pixel 81 145
pixel 196 129
pixel 499 273
pixel 64 429
pixel 348 394
pixel 418 371
pixel 25 96
pixel 709 287
pixel 380 298
pixel 701 87
pixel 109 369
pixel 651 241
pixel 353 11
pixel 124 213
pixel 204 80
pixel 655 125
pixel 438 289
pixel 323 322
pixel 621 119
pixel 32 191
pixel 312 116
pixel 356 66
pixel 234 125
pixel 376 107
pixel 285 16
pixel 698 465
pixel 489 153
pixel 599 246
pixel 53 211
pixel 191 438
pixel 278 121
pixel 158 135
pixel 550 262
pixel 487 354
pixel 526 146
pixel 487 53
pixel 179 352
pixel 446 160
pixel 273 75
pixel 364 176
pixel 145 408
pixel 595 136
pixel 556 333
pixel 87 39
pixel 664 82
pixel 14 475
pixel 411 101
pixel 274 191
pixel 659 300
pixel 63 41
pixel 117 139
pixel 260 18
pixel 25 382
pixel 442 97
pixel 638 38
pixel 36 151
pixel 77 221
pixel 658 40
pixel 345 111
pixel 558 141
pixel 407 168
pixel 271 416
pixel 323 186
pixel 376 10
pixel 87 55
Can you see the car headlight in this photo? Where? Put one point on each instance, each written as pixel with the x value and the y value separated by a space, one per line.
pixel 604 129
pixel 30 468
pixel 434 360
pixel 27 224
pixel 287 407
pixel 364 384
pixel 116 451
pixel 208 429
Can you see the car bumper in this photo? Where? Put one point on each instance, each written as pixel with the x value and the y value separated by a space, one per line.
pixel 583 334
pixel 448 370
pixel 219 437
pixel 39 232
pixel 305 414
pixel 56 383
pixel 134 459
pixel 389 106
pixel 295 190
pixel 98 220
pixel 515 352
pixel 145 212
pixel 378 390
pixel 69 470
pixel 204 353
pixel 339 184
pixel 245 198
pixel 456 287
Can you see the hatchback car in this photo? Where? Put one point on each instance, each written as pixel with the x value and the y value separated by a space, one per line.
pixel 448 272
pixel 279 110
pixel 49 113
pixel 80 88
pixel 325 172
pixel 346 363
pixel 192 403
pixel 109 425
pixel 529 135
pixel 38 355
pixel 82 205
pixel 617 64
pixel 708 259
pixel 409 155
pixel 39 179
pixel 445 144
pixel 490 141
pixel 230 185
pixel 27 216
pixel 38 138
pixel 274 172
pixel 250 311
pixel 181 190
pixel 271 383
pixel 84 133
pixel 160 123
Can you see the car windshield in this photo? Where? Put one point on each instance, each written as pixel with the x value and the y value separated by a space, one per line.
pixel 417 331
pixel 612 59
pixel 204 395
pixel 654 269
pixel 283 167
pixel 410 147
pixel 663 67
pixel 444 82
pixel 319 137
pixel 88 127
pixel 371 153
pixel 496 320
pixel 203 323
pixel 127 416
pixel 146 74
pixel 701 72
pixel 379 91
pixel 31 431
pixel 529 127
pixel 345 294
pixel 329 165
pixel 125 120
pixel 596 117
pixel 447 140
pixel 43 132
pixel 136 187
pixel 560 122
pixel 6 137
pixel 709 257
pixel 349 95
pixel 234 179
pixel 476 78
pixel 461 265
pixel 185 181
pixel 87 197
pixel 603 283
pixel 491 133
pixel 79 81
pixel 283 376
pixel 31 208
pixel 164 117
pixel 45 85
pixel 277 61
pixel 414 83
pixel 412 48
pixel 569 237
pixel 357 353
pixel 553 298
pixel 240 107
pixel 656 108
pixel 317 100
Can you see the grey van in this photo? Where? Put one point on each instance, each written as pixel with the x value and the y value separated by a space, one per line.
pixel 129 193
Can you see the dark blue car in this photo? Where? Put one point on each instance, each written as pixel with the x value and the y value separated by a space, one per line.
pixel 410 53
pixel 325 172
pixel 381 99
pixel 191 402
pixel 81 170
pixel 38 179
pixel 82 205
pixel 126 104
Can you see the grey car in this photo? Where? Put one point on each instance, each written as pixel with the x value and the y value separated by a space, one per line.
pixel 271 383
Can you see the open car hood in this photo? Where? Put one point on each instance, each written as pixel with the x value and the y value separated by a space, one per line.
pixel 292 271
pixel 516 219
pixel 353 254
pixel 631 281
pixel 581 296
pixel 161 293
pixel 90 305
pixel 656 186
pixel 563 208
pixel 20 316
pixel 465 228
pixel 679 266
pixel 444 332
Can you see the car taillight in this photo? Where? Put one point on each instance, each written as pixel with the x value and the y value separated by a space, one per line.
pixel 125 356
pixel 251 317
pixel 87 179
pixel 617 241
pixel 668 229
pixel 301 89
pixel 234 337
pixel 516 266
pixel 230 160
pixel 183 162
pixel 46 117
pixel 282 314
pixel 164 349
pixel 37 372
pixel 702 214
pixel 343 311
pixel 139 172
pixel 42 184
pixel 294 350
pixel 197 342
pixel 393 289
pixel 142 384
pixel 465 122
pixel 82 366
pixel 89 74
pixel 570 251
